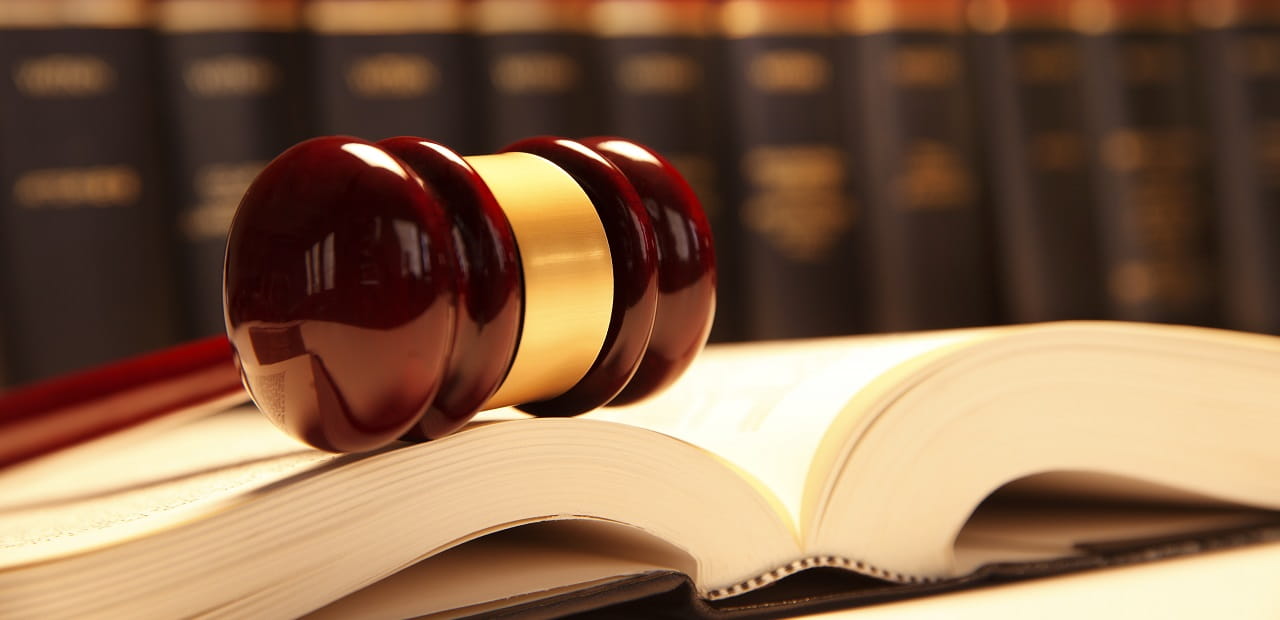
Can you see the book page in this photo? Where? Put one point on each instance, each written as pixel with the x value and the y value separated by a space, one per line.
pixel 141 483
pixel 765 407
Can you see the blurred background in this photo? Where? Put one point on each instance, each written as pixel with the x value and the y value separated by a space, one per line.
pixel 868 165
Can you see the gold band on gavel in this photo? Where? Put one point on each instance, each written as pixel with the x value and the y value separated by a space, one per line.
pixel 567 271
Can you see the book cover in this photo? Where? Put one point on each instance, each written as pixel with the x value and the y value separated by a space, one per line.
pixel 911 126
pixel 385 68
pixel 1237 78
pixel 231 88
pixel 1028 70
pixel 86 233
pixel 536 70
pixel 1150 163
pixel 797 218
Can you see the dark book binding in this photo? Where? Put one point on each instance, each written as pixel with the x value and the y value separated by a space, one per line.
pixel 789 172
pixel 535 69
pixel 1152 209
pixel 229 77
pixel 911 123
pixel 657 87
pixel 1237 50
pixel 86 236
pixel 818 590
pixel 1028 73
pixel 384 68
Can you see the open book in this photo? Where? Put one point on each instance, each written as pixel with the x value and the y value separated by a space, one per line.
pixel 876 455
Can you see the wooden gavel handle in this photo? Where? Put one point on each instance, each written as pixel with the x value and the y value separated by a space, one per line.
pixel 72 409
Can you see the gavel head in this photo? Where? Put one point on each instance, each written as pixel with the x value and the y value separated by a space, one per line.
pixel 388 290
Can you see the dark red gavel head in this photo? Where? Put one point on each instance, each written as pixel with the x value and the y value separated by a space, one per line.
pixel 388 290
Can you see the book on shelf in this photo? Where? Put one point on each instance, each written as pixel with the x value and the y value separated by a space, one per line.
pixel 1028 73
pixel 536 70
pixel 797 228
pixel 1153 209
pixel 910 128
pixel 386 68
pixel 773 477
pixel 84 231
pixel 1237 54
pixel 229 80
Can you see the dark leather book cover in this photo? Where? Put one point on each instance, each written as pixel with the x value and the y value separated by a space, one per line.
pixel 1237 61
pixel 820 590
pixel 658 87
pixel 912 127
pixel 1150 162
pixel 791 193
pixel 86 235
pixel 384 68
pixel 1028 72
pixel 229 80
pixel 536 71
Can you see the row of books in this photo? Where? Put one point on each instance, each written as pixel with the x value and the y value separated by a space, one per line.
pixel 869 165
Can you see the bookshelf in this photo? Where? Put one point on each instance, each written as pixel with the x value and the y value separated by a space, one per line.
pixel 867 165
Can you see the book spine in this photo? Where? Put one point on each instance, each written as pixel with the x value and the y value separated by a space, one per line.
pixel 1238 62
pixel 656 87
pixel 1156 235
pixel 86 237
pixel 912 126
pixel 536 70
pixel 384 68
pixel 1028 70
pixel 228 69
pixel 798 221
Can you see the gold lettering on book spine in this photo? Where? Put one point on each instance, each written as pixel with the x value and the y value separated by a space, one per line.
pixel 1269 152
pixel 1047 62
pixel 789 71
pixel 799 202
pixel 65 188
pixel 534 73
pixel 658 73
pixel 231 75
pixel 1164 211
pixel 218 189
pixel 928 66
pixel 1259 55
pixel 64 76
pixel 392 76
pixel 934 178
pixel 1152 62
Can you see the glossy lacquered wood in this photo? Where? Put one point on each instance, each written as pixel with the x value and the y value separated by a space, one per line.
pixel 686 265
pixel 375 291
pixel 68 410
pixel 341 293
pixel 489 301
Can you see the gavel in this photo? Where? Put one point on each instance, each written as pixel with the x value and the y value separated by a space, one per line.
pixel 392 290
